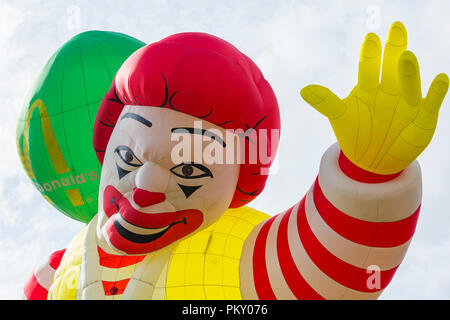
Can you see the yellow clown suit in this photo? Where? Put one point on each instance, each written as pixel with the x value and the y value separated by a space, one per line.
pixel 174 136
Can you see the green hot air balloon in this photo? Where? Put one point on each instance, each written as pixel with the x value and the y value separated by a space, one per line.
pixel 54 131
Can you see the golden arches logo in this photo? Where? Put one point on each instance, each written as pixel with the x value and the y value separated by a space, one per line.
pixel 53 149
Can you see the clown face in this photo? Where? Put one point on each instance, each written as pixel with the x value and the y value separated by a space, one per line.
pixel 154 192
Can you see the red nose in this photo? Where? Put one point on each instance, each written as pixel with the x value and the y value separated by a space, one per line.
pixel 144 198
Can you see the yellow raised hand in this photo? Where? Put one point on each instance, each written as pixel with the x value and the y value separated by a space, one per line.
pixel 383 126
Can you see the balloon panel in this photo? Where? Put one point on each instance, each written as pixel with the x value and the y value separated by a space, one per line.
pixel 54 131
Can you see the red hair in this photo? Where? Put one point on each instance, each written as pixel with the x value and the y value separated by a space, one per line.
pixel 203 76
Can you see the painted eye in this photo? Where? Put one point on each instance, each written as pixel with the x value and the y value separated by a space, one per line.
pixel 127 156
pixel 191 170
pixel 126 161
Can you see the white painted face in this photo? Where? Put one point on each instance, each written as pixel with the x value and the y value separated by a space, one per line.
pixel 154 188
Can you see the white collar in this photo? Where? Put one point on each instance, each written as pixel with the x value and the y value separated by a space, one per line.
pixel 150 273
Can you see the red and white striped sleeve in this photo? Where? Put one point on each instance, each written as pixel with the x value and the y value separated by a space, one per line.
pixel 40 280
pixel 344 240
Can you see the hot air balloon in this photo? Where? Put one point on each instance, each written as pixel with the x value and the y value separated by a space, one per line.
pixel 54 130
pixel 173 227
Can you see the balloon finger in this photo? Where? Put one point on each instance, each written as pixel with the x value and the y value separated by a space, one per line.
pixel 396 43
pixel 409 78
pixel 323 100
pixel 436 93
pixel 369 63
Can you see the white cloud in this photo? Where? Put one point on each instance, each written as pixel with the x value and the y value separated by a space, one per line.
pixel 294 43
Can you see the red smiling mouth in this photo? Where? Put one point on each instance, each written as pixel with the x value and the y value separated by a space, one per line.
pixel 175 224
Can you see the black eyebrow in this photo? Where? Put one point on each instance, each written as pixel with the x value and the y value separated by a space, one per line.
pixel 202 132
pixel 137 118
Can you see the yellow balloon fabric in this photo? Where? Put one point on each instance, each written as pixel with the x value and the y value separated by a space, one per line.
pixel 383 126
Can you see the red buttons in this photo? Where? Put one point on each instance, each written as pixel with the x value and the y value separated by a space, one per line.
pixel 114 290
pixel 144 198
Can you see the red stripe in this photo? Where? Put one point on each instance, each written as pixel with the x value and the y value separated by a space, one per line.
pixel 374 234
pixel 260 276
pixel 342 272
pixel 299 287
pixel 361 175
pixel 55 258
pixel 33 290
pixel 115 287
pixel 113 261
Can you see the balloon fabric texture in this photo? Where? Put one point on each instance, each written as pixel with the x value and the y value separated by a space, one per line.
pixel 54 130
pixel 172 220
pixel 236 96
pixel 383 126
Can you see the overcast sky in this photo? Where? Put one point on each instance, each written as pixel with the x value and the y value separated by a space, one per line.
pixel 294 43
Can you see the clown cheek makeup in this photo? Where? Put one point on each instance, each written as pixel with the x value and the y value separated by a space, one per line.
pixel 147 201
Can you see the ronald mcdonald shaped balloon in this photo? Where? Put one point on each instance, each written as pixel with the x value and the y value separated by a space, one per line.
pixel 177 227
pixel 54 131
